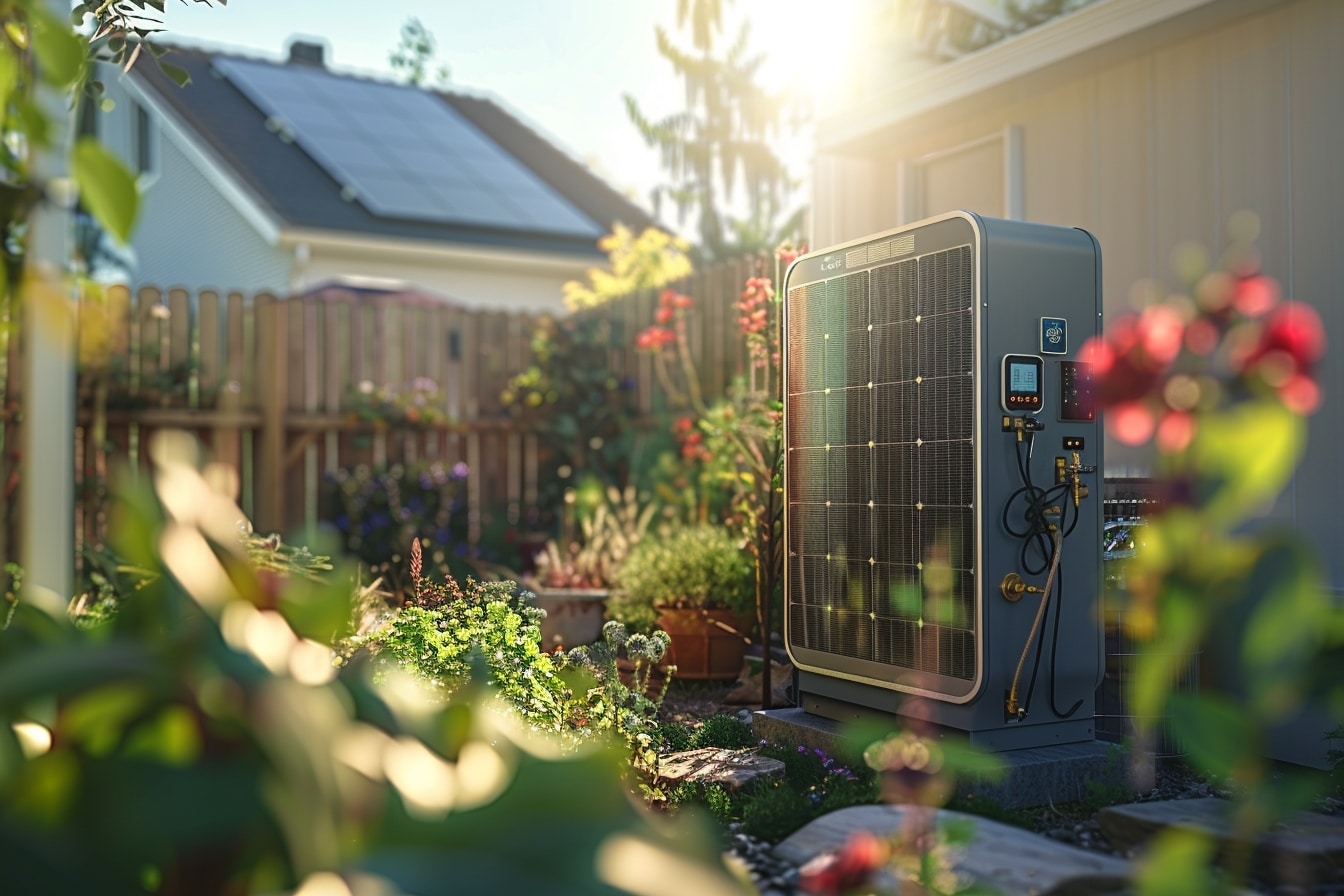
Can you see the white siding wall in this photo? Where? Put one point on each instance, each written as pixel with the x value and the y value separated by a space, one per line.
pixel 188 234
pixel 192 236
pixel 501 287
pixel 1149 152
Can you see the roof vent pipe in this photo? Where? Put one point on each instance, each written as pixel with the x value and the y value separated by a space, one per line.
pixel 307 52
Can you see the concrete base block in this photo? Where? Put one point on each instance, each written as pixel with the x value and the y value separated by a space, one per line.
pixel 1063 773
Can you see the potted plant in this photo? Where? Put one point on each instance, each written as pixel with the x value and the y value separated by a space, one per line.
pixel 697 584
pixel 572 583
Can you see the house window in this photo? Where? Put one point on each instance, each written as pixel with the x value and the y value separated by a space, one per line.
pixel 86 123
pixel 143 149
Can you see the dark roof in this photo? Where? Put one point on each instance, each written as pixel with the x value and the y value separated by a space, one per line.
pixel 302 194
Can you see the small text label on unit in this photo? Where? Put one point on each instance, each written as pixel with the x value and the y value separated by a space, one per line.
pixel 831 263
pixel 1054 336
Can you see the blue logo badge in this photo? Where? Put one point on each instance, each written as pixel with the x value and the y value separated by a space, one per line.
pixel 1054 336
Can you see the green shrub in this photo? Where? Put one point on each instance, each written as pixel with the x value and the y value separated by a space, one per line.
pixel 773 813
pixel 728 732
pixel 450 630
pixel 695 566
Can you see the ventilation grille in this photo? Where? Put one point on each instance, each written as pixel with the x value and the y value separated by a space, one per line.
pixel 881 467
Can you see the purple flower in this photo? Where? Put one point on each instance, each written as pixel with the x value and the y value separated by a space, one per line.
pixel 460 470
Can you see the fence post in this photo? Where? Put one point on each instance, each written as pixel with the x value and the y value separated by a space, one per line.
pixel 272 322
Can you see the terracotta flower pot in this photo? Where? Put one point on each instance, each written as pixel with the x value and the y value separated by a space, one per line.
pixel 574 616
pixel 706 644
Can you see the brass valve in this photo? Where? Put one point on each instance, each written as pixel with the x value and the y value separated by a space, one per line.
pixel 1014 586
pixel 1076 476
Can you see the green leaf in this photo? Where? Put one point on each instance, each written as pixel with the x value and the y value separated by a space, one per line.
pixel 1216 733
pixel 9 74
pixel 106 187
pixel 59 51
pixel 1250 452
pixel 1180 625
pixel 1178 864
pixel 176 74
pixel 1286 628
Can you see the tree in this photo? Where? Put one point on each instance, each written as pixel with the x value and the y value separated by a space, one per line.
pixel 415 53
pixel 720 143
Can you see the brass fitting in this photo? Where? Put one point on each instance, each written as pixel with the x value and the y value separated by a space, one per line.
pixel 1014 586
pixel 1076 474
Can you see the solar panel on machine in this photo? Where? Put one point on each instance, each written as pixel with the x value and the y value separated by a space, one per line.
pixel 404 152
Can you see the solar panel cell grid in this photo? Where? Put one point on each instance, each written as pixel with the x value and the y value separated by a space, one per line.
pixel 406 153
pixel 881 474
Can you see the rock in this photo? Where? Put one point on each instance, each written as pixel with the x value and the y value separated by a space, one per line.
pixel 999 857
pixel 732 768
pixel 1092 885
pixel 747 691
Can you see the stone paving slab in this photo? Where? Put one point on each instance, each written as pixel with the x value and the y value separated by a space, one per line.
pixel 1000 857
pixel 732 768
pixel 1306 850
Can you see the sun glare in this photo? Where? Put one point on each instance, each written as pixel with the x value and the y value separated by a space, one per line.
pixel 807 44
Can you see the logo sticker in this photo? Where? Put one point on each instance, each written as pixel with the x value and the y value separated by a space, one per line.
pixel 1054 336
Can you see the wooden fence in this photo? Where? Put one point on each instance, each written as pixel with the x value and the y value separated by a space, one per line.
pixel 278 388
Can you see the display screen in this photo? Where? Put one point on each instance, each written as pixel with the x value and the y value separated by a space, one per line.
pixel 1023 386
pixel 1022 377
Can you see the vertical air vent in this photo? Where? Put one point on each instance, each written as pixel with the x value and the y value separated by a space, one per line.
pixel 901 245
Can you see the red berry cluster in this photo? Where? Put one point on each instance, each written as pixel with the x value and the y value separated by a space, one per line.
pixel 1156 369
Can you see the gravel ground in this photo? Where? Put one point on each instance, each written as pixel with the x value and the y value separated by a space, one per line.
pixel 689 702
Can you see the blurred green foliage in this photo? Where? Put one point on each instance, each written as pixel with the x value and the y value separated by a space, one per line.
pixel 204 741
pixel 1220 379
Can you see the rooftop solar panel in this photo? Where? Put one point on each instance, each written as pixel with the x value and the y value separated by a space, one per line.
pixel 404 152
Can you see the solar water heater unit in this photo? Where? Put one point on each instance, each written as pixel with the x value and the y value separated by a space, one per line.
pixel 942 505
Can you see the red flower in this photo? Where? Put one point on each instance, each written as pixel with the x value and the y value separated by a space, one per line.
pixel 786 253
pixel 653 338
pixel 663 315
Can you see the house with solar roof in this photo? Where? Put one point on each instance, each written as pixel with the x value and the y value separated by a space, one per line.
pixel 285 175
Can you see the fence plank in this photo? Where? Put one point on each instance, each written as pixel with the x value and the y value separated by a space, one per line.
pixel 272 326
pixel 181 358
pixel 271 379
pixel 207 349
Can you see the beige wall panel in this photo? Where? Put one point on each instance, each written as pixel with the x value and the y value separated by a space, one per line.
pixel 1184 151
pixel 1123 181
pixel 969 178
pixel 1316 69
pixel 1253 126
pixel 1058 154
pixel 1124 209
pixel 852 198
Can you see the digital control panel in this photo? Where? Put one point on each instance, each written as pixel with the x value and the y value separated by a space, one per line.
pixel 1076 400
pixel 1022 384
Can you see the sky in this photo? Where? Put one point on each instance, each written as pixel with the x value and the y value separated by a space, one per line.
pixel 559 65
